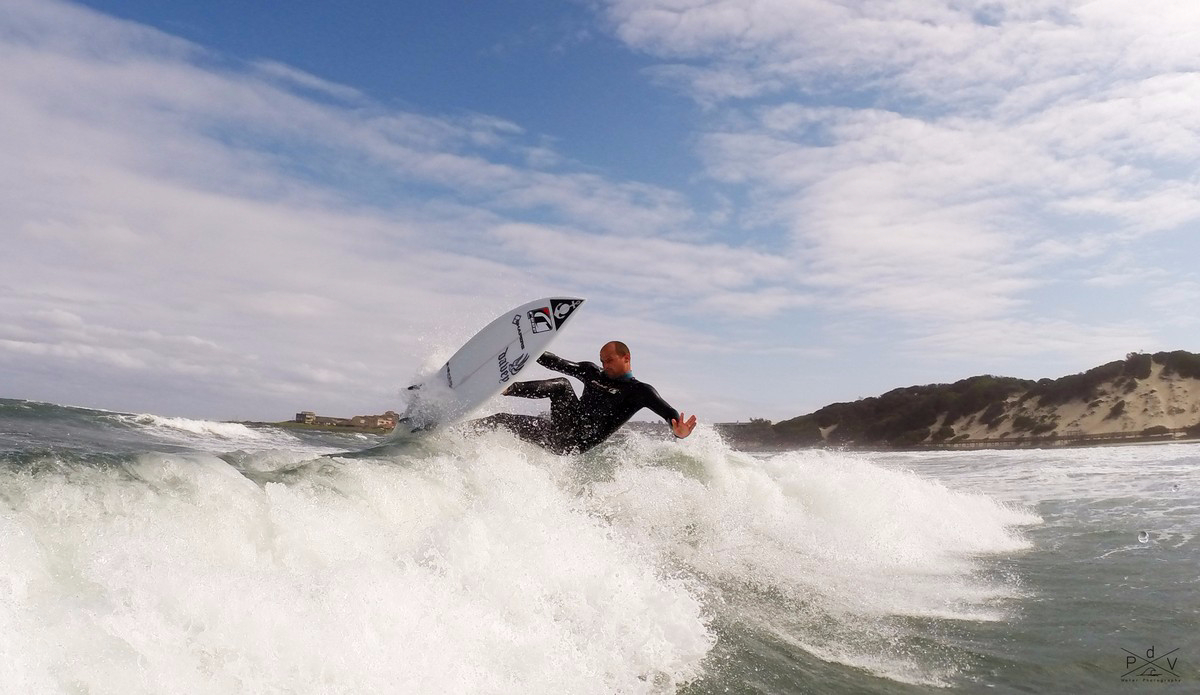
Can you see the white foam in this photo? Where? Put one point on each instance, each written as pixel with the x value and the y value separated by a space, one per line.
pixel 480 565
pixel 469 570
pixel 843 546
pixel 205 434
pixel 225 430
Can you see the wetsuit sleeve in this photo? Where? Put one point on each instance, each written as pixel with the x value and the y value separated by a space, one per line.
pixel 579 370
pixel 654 402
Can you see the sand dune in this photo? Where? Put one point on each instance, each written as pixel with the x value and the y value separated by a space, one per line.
pixel 1171 401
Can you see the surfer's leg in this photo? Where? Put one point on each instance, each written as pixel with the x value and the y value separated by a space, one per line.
pixel 545 388
pixel 528 427
pixel 509 421
pixel 564 404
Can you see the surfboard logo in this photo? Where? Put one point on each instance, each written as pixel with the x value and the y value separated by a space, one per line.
pixel 516 321
pixel 562 308
pixel 509 369
pixel 539 319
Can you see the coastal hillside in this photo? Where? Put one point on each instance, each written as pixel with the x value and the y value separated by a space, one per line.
pixel 1141 396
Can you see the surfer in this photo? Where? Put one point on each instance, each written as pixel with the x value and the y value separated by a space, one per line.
pixel 611 395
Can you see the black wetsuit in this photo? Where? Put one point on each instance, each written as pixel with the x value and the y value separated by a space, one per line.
pixel 578 424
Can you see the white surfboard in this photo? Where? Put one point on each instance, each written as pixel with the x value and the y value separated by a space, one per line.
pixel 487 363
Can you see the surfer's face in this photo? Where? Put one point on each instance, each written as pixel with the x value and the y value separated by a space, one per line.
pixel 614 365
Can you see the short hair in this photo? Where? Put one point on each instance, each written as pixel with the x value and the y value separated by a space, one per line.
pixel 621 348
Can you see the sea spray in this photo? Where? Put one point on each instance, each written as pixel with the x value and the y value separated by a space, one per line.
pixel 139 558
pixel 465 571
pixel 228 430
pixel 818 548
pixel 484 564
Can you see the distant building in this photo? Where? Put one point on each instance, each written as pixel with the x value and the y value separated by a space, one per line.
pixel 334 421
pixel 385 421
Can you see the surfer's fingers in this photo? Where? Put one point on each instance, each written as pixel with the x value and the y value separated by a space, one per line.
pixel 683 427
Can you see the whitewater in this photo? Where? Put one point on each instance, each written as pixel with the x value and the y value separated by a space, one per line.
pixel 151 554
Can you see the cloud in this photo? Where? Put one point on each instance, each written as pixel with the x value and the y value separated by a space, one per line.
pixel 1089 345
pixel 948 164
pixel 1177 302
pixel 290 76
pixel 70 338
pixel 206 232
pixel 184 230
pixel 715 277
pixel 949 52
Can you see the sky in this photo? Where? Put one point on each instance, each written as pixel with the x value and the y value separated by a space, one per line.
pixel 230 210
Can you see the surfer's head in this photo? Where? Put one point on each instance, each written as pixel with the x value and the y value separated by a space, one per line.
pixel 614 357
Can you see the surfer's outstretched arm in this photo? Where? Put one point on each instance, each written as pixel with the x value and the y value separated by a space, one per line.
pixel 579 370
pixel 681 426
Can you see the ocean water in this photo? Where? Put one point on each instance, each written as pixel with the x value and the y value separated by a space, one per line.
pixel 148 554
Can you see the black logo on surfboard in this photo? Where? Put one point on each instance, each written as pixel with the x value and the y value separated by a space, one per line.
pixel 539 319
pixel 516 321
pixel 562 308
pixel 508 369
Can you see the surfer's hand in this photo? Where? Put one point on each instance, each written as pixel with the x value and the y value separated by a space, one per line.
pixel 681 427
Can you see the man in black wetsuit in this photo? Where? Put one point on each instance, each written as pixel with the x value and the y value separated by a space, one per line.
pixel 610 397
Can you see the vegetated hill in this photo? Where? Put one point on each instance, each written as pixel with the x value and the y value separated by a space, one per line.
pixel 1142 393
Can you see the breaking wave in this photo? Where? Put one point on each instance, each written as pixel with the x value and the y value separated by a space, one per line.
pixel 456 564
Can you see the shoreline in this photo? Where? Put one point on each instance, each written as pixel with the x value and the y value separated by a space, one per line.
pixel 988 446
pixel 1078 442
pixel 1073 442
pixel 291 425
